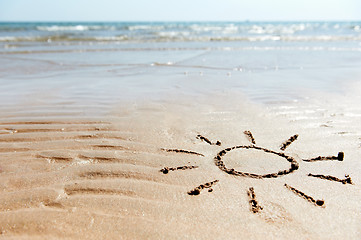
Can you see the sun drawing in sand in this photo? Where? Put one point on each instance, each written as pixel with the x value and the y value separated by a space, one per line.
pixel 220 163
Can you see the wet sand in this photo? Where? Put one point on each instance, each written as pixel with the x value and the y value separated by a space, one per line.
pixel 178 138
pixel 212 168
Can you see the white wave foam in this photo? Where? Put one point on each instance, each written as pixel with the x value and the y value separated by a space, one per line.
pixel 57 28
pixel 277 29
pixel 7 39
pixel 145 27
pixel 112 38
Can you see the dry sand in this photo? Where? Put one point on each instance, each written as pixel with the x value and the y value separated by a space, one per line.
pixel 101 178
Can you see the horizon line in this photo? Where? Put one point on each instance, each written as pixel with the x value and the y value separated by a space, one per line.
pixel 175 21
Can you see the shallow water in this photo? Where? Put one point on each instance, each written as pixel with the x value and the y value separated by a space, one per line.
pixel 90 65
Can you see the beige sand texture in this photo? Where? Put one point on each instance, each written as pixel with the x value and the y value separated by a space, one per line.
pixel 101 178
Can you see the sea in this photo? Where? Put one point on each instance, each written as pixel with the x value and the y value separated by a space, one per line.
pixel 98 64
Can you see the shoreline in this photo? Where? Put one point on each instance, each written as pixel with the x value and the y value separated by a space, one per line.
pixel 258 138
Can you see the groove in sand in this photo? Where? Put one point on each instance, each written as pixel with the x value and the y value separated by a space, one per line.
pixel 109 147
pixel 97 191
pixel 218 143
pixel 319 203
pixel 56 158
pixel 288 142
pixel 332 178
pixel 41 139
pixel 100 159
pixel 111 174
pixel 339 157
pixel 197 190
pixel 255 207
pixel 166 170
pixel 250 137
pixel 45 130
pixel 182 151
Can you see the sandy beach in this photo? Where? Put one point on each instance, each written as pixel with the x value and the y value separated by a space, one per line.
pixel 102 178
pixel 233 139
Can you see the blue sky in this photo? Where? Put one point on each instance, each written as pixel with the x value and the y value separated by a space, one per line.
pixel 180 10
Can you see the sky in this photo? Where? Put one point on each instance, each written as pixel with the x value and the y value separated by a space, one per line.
pixel 180 10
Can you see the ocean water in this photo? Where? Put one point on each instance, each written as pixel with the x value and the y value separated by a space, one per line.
pixel 180 31
pixel 95 64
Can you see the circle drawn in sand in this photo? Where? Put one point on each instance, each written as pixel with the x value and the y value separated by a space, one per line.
pixel 221 165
